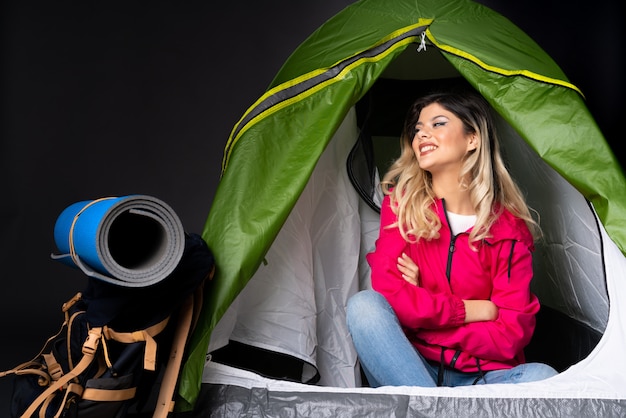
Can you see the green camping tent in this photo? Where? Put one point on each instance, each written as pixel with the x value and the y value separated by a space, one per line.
pixel 276 145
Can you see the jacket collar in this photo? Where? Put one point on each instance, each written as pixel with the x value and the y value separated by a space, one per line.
pixel 506 226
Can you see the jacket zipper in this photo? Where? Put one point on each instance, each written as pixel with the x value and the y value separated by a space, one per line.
pixel 457 353
pixel 450 252
pixel 452 242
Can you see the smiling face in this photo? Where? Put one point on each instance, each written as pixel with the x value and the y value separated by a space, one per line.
pixel 441 141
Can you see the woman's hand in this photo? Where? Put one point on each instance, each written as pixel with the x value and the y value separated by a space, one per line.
pixel 408 269
pixel 475 310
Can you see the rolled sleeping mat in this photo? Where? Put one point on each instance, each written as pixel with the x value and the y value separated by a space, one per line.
pixel 130 241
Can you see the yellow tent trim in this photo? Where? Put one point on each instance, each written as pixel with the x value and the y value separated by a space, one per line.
pixel 498 70
pixel 308 92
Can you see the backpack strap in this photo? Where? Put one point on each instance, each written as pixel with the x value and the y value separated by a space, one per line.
pixel 53 370
pixel 188 316
pixel 90 346
pixel 149 360
pixel 72 388
pixel 29 367
pixel 165 401
pixel 99 395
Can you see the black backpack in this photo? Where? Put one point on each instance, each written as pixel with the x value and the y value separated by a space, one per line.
pixel 119 350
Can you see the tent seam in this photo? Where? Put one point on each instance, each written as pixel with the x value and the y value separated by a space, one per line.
pixel 389 44
pixel 498 70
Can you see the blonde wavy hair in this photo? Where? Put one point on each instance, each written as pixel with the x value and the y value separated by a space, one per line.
pixel 490 184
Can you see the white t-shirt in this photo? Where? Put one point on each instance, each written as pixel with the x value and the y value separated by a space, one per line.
pixel 460 223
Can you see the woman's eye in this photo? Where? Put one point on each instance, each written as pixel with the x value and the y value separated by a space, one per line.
pixel 439 123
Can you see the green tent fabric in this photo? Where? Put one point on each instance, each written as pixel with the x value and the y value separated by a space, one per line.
pixel 274 147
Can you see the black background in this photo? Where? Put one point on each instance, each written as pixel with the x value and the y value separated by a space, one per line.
pixel 102 99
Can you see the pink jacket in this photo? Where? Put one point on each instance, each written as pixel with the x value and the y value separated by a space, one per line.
pixel 449 270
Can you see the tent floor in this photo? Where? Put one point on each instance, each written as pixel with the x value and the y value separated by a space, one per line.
pixel 558 341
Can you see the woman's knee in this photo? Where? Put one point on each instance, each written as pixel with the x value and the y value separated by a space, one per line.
pixel 363 307
pixel 531 372
pixel 541 371
pixel 364 302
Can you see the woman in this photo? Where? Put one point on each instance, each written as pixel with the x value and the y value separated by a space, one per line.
pixel 452 266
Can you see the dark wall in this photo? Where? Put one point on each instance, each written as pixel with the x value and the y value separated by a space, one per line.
pixel 101 100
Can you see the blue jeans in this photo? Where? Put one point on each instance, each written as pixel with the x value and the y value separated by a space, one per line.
pixel 389 359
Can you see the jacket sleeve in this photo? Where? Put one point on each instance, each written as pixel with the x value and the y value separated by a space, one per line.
pixel 506 337
pixel 415 307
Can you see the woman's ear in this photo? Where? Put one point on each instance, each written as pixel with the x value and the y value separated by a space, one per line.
pixel 472 144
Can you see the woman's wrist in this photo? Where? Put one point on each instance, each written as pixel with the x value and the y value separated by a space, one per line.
pixel 480 310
